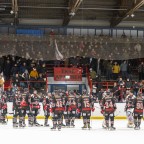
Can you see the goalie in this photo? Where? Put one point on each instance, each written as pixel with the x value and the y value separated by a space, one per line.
pixel 129 107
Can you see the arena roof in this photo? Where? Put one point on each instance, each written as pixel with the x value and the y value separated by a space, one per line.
pixel 109 13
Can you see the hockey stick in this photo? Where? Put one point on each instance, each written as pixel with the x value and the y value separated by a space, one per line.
pixel 118 113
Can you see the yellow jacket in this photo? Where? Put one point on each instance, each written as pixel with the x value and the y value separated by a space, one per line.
pixel 116 69
pixel 34 74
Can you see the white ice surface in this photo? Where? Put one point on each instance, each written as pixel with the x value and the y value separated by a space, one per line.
pixel 97 135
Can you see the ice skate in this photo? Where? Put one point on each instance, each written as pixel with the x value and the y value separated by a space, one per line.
pixel 63 125
pixel 37 124
pixel 84 127
pixel 21 125
pixel 72 124
pixel 59 127
pixel 30 125
pixel 136 128
pixel 53 128
pixel 112 128
pixel 46 125
pixel 67 125
pixel 3 122
pixel 15 125
pixel 89 127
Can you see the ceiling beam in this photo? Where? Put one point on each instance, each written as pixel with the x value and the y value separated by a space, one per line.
pixel 14 11
pixel 73 7
pixel 120 18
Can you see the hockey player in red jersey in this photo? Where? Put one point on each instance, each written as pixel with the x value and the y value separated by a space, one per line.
pixel 16 108
pixel 3 109
pixel 86 106
pixel 46 108
pixel 34 108
pixel 109 107
pixel 72 108
pixel 138 110
pixel 57 109
pixel 23 109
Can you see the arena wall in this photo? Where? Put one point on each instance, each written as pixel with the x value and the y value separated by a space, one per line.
pixel 119 114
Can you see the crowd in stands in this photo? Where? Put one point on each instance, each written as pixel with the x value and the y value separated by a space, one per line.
pixel 44 48
pixel 24 59
pixel 32 73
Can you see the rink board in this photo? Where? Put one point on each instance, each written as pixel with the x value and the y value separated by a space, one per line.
pixel 119 114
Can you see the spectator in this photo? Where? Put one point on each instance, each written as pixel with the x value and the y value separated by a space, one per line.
pixel 41 82
pixel 34 74
pixel 109 70
pixel 16 80
pixel 15 69
pixel 128 84
pixel 33 77
pixel 121 85
pixel 25 79
pixel 129 71
pixel 141 71
pixel 123 69
pixel 115 91
pixel 136 87
pixel 92 74
pixel 115 70
pixel 7 69
pixel 52 33
pixel 23 67
pixel 1 83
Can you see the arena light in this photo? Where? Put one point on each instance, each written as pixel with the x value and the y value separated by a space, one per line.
pixel 67 77
pixel 132 15
pixel 71 13
pixel 11 12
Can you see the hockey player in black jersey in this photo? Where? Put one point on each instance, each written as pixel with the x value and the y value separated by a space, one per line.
pixel 66 105
pixel 72 108
pixel 57 109
pixel 86 106
pixel 138 110
pixel 16 108
pixel 34 108
pixel 3 109
pixel 24 107
pixel 46 109
pixel 109 107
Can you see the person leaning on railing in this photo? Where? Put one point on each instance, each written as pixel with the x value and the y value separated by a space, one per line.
pixel 33 76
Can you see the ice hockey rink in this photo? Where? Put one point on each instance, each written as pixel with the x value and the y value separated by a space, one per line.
pixel 97 135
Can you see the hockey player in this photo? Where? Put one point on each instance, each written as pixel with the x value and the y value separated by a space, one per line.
pixel 86 106
pixel 3 109
pixel 66 105
pixel 46 108
pixel 34 109
pixel 57 109
pixel 101 95
pixel 16 108
pixel 109 107
pixel 138 110
pixel 72 109
pixel 129 107
pixel 23 109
